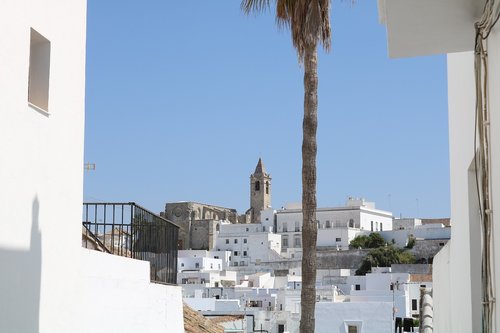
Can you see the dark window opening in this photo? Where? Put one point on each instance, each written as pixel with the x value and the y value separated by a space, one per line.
pixel 257 186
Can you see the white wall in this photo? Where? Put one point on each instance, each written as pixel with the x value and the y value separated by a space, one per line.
pixel 334 222
pixel 339 237
pixel 441 293
pixel 494 86
pixel 401 236
pixel 117 296
pixel 463 290
pixel 370 317
pixel 405 223
pixel 41 173
pixel 222 255
pixel 248 243
pixel 199 263
pixel 464 255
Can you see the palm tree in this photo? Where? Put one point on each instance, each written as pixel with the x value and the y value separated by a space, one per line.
pixel 309 24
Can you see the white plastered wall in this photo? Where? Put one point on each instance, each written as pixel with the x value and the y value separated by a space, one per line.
pixel 494 87
pixel 41 173
pixel 119 297
pixel 464 263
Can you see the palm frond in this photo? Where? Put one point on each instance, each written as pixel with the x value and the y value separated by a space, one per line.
pixel 308 20
pixel 249 6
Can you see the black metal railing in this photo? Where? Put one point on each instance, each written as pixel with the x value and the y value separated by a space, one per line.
pixel 129 230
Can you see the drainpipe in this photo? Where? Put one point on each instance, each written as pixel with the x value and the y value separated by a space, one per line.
pixel 426 311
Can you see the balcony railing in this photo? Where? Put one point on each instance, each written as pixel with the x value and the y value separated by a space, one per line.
pixel 129 230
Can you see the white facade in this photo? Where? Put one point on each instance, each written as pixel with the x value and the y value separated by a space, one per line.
pixel 337 226
pixel 400 237
pixel 249 244
pixel 405 223
pixel 49 283
pixel 222 255
pixel 199 264
pixel 372 317
pixel 117 296
pixel 42 168
pixel 450 28
pixel 204 268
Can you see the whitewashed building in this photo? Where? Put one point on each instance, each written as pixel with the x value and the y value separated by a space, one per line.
pixel 204 269
pixel 416 28
pixel 49 283
pixel 401 236
pixel 337 226
pixel 249 244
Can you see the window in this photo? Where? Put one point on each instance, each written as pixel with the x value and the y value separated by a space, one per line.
pixel 422 286
pixel 244 253
pixel 338 239
pixel 284 242
pixel 182 264
pixel 351 223
pixel 246 229
pixel 285 227
pixel 39 71
pixel 244 240
pixel 297 226
pixel 242 263
pixel 376 226
pixel 328 224
pixel 227 241
pixel 414 305
pixel 267 187
pixel 381 228
pixel 235 263
pixel 297 241
pixel 211 266
pixel 197 265
pixel 352 329
pixel 216 257
pixel 235 253
pixel 357 287
pixel 236 241
pixel 371 225
pixel 257 186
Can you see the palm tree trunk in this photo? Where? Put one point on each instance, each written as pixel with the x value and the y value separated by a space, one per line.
pixel 309 226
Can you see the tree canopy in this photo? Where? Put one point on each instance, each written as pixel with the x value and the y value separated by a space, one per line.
pixel 384 256
pixel 371 241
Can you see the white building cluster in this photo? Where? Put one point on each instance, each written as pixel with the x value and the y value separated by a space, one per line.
pixel 252 272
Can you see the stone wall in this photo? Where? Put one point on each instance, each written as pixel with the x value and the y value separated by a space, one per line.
pixel 425 249
pixel 192 215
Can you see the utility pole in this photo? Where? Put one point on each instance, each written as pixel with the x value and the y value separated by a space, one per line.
pixel 89 166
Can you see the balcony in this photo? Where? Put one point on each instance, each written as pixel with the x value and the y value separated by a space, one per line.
pixel 129 230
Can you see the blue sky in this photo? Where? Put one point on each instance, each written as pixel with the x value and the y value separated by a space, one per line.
pixel 183 97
